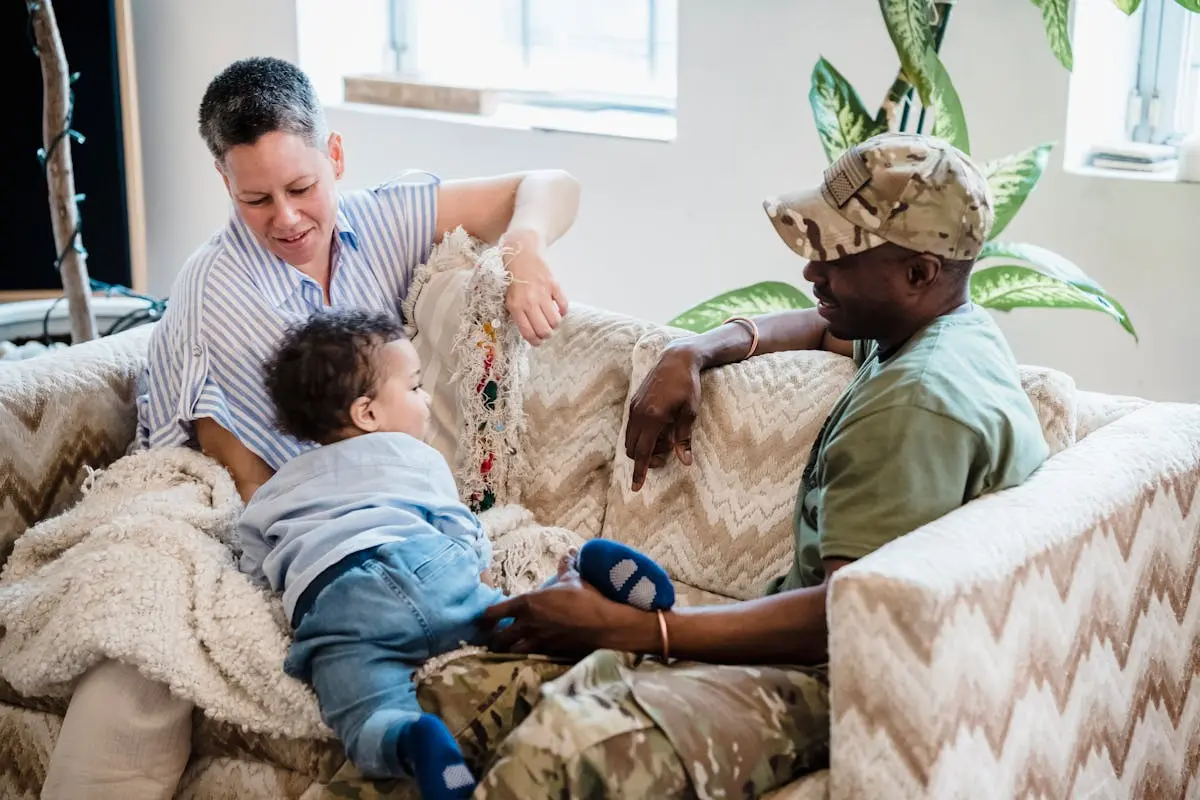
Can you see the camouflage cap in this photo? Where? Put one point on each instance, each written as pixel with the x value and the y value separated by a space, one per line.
pixel 915 191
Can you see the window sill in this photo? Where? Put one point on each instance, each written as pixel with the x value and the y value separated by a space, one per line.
pixel 514 116
pixel 1170 175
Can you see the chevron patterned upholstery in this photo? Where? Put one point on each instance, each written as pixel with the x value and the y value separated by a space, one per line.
pixel 58 416
pixel 574 404
pixel 725 523
pixel 1043 642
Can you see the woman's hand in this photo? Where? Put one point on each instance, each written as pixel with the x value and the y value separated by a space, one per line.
pixel 535 300
pixel 568 618
pixel 662 412
pixel 525 212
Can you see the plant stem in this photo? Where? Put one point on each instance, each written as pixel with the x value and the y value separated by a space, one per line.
pixel 889 110
pixel 939 34
pixel 899 98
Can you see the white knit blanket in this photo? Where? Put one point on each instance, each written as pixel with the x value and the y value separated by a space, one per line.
pixel 141 570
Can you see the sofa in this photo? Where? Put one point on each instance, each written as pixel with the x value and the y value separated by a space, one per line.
pixel 1039 642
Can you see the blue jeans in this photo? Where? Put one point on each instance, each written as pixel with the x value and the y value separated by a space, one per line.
pixel 372 626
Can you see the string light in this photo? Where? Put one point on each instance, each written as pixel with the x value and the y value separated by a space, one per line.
pixel 156 306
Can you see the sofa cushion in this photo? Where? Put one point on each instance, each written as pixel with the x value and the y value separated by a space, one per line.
pixel 456 316
pixel 433 327
pixel 319 758
pixel 575 389
pixel 60 414
pixel 689 596
pixel 725 523
pixel 27 740
pixel 1097 409
pixel 1053 396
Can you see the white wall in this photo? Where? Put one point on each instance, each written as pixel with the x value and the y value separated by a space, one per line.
pixel 180 45
pixel 665 225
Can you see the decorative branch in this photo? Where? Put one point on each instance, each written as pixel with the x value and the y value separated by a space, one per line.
pixel 58 106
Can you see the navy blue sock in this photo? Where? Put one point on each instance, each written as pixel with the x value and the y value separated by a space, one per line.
pixel 623 574
pixel 436 760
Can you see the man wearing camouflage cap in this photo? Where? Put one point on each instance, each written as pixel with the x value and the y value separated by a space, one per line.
pixel 935 417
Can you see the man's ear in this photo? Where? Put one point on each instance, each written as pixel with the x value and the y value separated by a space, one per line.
pixel 922 270
pixel 363 415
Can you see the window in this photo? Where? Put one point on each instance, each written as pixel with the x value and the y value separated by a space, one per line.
pixel 581 54
pixel 1165 100
pixel 1135 89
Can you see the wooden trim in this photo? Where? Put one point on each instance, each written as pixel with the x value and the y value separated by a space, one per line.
pixel 17 295
pixel 29 294
pixel 132 134
pixel 407 92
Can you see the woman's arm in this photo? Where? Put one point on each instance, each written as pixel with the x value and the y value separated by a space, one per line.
pixel 525 212
pixel 247 469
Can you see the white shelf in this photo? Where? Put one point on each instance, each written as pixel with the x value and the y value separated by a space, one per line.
pixel 24 318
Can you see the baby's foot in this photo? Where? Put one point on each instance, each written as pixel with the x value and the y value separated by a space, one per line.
pixel 567 562
pixel 436 760
pixel 623 574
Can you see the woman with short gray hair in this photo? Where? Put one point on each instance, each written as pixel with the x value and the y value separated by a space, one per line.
pixel 292 244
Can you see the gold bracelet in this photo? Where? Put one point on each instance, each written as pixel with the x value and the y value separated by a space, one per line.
pixel 666 639
pixel 753 327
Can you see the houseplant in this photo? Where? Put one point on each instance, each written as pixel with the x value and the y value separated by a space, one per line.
pixel 1007 275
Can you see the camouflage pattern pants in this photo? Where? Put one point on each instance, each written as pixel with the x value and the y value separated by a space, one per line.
pixel 614 725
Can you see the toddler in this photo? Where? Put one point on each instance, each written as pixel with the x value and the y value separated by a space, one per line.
pixel 380 565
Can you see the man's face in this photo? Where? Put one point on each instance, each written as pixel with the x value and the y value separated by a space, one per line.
pixel 286 193
pixel 865 295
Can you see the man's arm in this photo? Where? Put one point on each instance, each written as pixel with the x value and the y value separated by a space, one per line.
pixel 247 469
pixel 665 405
pixel 526 213
pixel 571 617
pixel 783 331
pixel 786 628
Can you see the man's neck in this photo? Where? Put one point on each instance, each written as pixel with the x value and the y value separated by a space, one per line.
pixel 893 342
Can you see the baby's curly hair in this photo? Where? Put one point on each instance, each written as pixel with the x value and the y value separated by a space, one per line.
pixel 321 366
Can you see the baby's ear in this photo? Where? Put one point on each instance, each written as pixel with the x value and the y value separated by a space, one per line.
pixel 363 416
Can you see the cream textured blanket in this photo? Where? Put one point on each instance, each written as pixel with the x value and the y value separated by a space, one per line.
pixel 141 570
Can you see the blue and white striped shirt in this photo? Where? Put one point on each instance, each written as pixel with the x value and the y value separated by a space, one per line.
pixel 233 300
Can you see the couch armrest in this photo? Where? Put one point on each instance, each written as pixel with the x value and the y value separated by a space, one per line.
pixel 1037 642
pixel 59 414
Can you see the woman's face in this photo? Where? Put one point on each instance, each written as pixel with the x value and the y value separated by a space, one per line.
pixel 285 190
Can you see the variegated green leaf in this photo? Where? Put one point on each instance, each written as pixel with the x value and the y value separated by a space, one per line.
pixel 1075 289
pixel 910 25
pixel 841 118
pixel 1128 6
pixel 761 298
pixel 949 121
pixel 1041 259
pixel 1012 179
pixel 1058 33
pixel 1190 5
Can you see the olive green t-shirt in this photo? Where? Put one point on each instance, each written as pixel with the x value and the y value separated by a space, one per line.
pixel 937 423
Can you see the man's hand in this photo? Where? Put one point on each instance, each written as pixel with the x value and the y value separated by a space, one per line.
pixel 663 411
pixel 535 300
pixel 568 618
